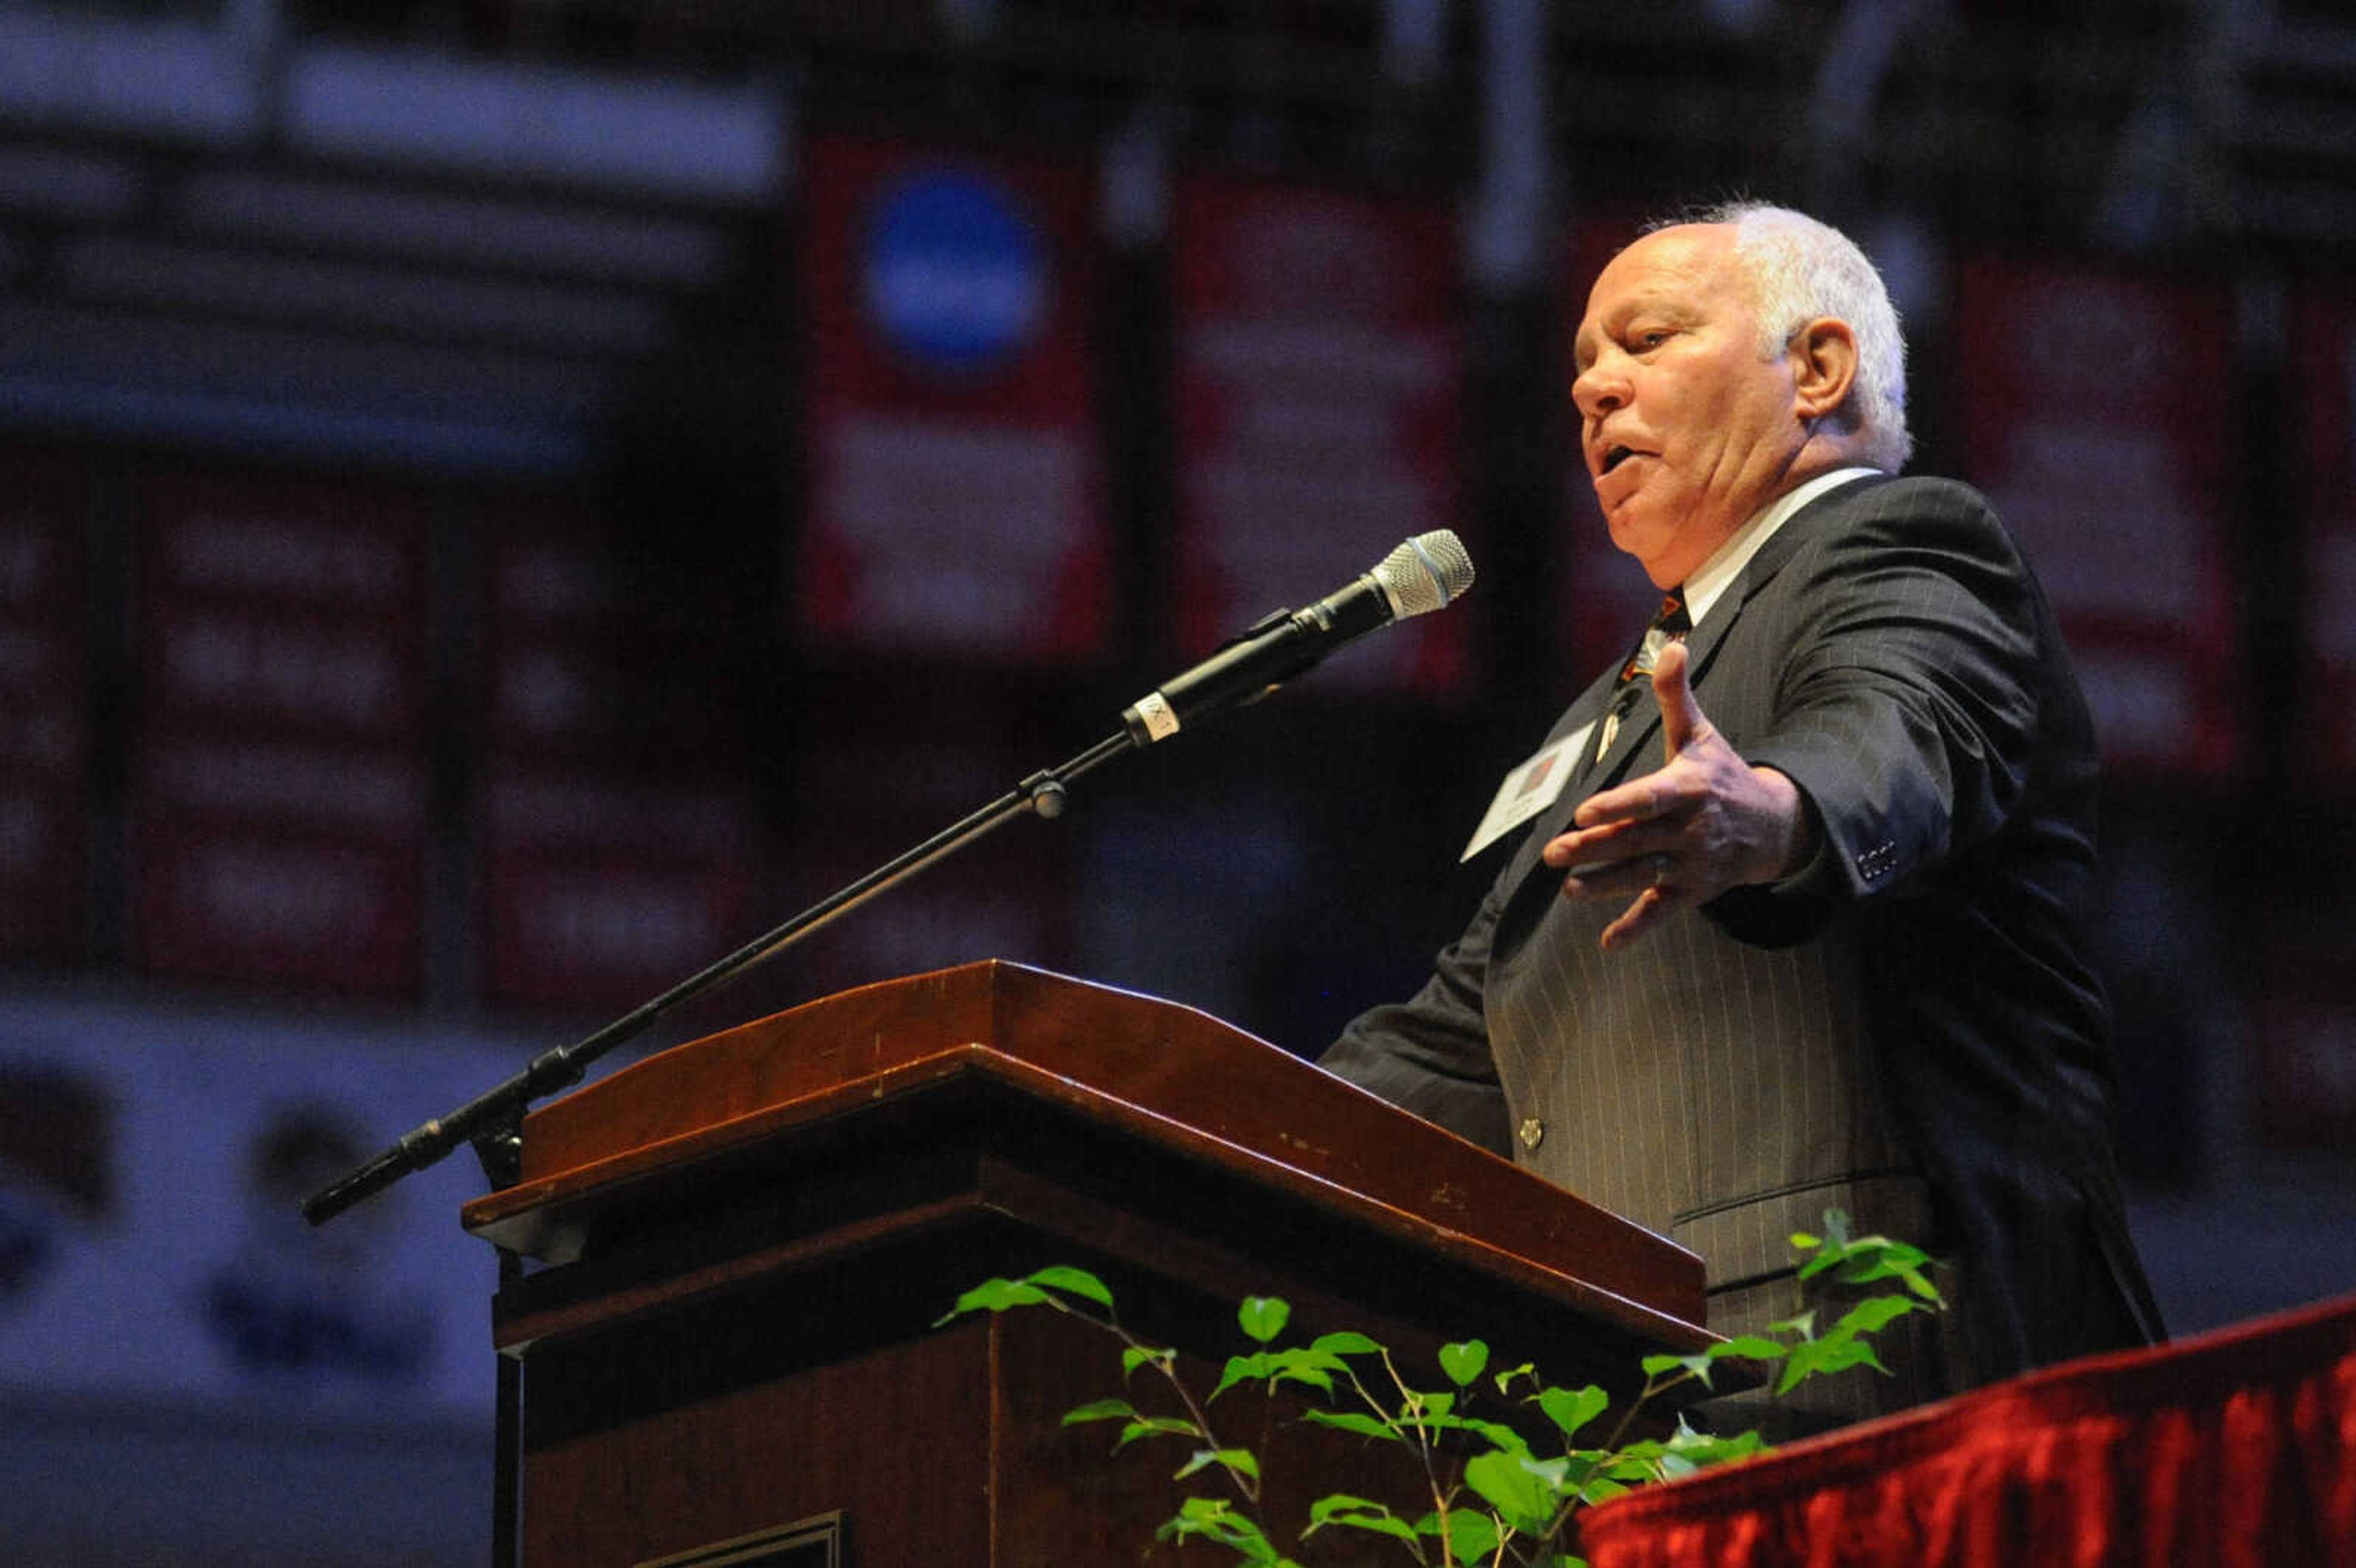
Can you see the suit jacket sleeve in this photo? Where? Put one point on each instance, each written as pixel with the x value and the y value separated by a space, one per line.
pixel 1431 1054
pixel 1908 704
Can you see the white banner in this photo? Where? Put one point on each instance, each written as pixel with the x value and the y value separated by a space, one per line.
pixel 151 1166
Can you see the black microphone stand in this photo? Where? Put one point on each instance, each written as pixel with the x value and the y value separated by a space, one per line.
pixel 492 1115
pixel 493 1121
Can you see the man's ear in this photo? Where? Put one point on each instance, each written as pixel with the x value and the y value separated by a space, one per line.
pixel 1824 367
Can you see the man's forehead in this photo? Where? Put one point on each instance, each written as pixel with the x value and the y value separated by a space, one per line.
pixel 1687 260
pixel 1682 267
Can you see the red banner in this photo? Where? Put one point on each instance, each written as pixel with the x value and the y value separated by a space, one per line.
pixel 45 665
pixel 956 496
pixel 1319 371
pixel 257 902
pixel 2102 450
pixel 276 607
pixel 587 657
pixel 1009 898
pixel 598 895
pixel 282 777
pixel 613 833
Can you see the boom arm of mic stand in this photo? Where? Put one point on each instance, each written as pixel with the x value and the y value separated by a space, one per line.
pixel 498 1108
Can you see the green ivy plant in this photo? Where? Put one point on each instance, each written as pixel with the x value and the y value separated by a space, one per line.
pixel 1494 1496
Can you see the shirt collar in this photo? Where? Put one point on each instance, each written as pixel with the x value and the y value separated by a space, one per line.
pixel 1716 575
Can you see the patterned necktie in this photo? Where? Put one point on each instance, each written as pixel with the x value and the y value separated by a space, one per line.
pixel 1670 624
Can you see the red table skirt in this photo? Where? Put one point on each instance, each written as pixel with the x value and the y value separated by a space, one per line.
pixel 2236 1449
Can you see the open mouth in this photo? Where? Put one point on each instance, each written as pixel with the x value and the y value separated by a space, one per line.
pixel 1616 456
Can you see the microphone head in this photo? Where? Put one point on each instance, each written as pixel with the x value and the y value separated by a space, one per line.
pixel 1424 573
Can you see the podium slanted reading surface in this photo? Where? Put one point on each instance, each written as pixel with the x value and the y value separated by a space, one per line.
pixel 742 1244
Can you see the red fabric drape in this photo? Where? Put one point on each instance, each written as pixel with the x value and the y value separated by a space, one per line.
pixel 2236 1449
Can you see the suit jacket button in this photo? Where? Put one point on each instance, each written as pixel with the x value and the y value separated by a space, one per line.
pixel 1532 1132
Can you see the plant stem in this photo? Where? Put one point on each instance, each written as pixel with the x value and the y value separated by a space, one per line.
pixel 1166 1365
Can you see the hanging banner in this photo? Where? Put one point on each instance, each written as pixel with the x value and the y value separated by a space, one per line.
pixel 599 894
pixel 600 650
pixel 955 492
pixel 612 831
pixel 2326 391
pixel 151 1246
pixel 879 786
pixel 44 707
pixel 2102 450
pixel 1319 386
pixel 279 797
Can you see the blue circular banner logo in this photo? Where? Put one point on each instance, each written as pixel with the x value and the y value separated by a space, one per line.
pixel 953 276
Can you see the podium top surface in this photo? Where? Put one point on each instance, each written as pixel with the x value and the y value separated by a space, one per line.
pixel 1153 1069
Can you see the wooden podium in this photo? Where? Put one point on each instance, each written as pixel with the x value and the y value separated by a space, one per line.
pixel 742 1244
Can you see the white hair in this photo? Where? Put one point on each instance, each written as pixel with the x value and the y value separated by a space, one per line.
pixel 1801 269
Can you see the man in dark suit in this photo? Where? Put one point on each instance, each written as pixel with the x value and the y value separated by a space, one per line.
pixel 1803 929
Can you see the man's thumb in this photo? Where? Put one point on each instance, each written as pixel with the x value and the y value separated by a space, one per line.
pixel 1680 714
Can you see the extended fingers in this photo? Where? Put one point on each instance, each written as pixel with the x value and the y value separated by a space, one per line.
pixel 1650 907
pixel 1671 790
pixel 1622 878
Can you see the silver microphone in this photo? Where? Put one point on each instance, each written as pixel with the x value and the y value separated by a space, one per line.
pixel 1425 573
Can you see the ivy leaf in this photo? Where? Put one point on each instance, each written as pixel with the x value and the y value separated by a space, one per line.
pixel 1833 1353
pixel 1241 1370
pixel 1357 1513
pixel 1433 1406
pixel 1873 1315
pixel 1463 1360
pixel 1471 1534
pixel 1100 1410
pixel 1135 1356
pixel 1243 1461
pixel 1584 1464
pixel 1695 1449
pixel 1156 1426
pixel 1498 1433
pixel 1263 1317
pixel 1073 1282
pixel 1215 1519
pixel 1749 1346
pixel 1346 1344
pixel 1697 1365
pixel 1634 1461
pixel 1573 1408
pixel 1304 1365
pixel 993 1296
pixel 1525 1491
pixel 1353 1420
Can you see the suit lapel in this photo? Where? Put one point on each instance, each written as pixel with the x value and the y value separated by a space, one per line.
pixel 1640 733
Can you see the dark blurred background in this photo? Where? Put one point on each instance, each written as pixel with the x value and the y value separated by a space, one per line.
pixel 503 500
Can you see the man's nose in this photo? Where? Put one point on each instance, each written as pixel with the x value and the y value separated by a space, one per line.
pixel 1598 390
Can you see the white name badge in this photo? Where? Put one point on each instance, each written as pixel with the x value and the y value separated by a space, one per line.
pixel 1528 790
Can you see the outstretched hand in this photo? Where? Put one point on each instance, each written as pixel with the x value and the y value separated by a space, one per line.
pixel 1704 822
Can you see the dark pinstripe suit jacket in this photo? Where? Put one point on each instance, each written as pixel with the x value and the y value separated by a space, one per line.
pixel 1905 1029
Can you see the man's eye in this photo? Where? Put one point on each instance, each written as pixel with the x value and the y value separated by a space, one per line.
pixel 1650 337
